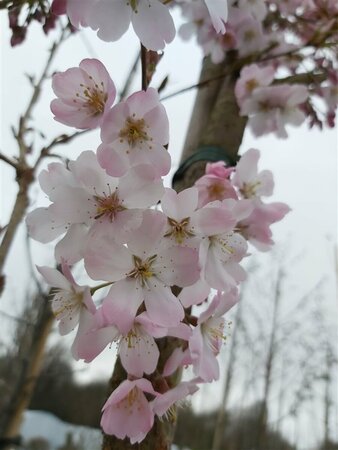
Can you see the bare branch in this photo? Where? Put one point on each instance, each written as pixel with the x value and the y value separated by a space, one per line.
pixel 25 173
pixel 7 160
pixel 62 139
pixel 130 78
pixel 303 78
pixel 144 67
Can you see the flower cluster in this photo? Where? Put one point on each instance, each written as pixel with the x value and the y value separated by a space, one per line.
pixel 151 19
pixel 269 107
pixel 274 34
pixel 139 239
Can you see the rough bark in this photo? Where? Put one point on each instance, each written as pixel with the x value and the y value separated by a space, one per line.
pixel 215 121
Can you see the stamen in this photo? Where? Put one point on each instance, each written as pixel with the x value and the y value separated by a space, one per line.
pixel 93 99
pixel 108 205
pixel 249 190
pixel 142 270
pixel 134 131
pixel 179 230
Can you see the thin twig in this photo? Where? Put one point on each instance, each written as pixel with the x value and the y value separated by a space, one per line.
pixel 35 97
pixel 144 68
pixel 25 173
pixel 130 78
pixel 62 139
pixel 8 161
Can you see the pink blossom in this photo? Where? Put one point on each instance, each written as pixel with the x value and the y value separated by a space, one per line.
pixel 135 132
pixel 151 21
pixel 256 227
pixel 249 36
pixel 69 300
pixel 252 77
pixel 218 169
pixel 179 207
pixel 86 199
pixel 215 184
pixel 271 108
pixel 221 248
pixel 85 94
pixel 143 272
pixel 127 412
pixel 207 337
pixel 251 183
pixel 137 348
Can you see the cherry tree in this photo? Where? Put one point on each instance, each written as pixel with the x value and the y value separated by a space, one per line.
pixel 168 261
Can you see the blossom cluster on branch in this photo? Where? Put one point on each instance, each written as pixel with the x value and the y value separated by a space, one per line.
pixel 280 37
pixel 297 38
pixel 141 239
pixel 169 264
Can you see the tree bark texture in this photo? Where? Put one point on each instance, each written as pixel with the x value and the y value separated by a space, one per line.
pixel 215 121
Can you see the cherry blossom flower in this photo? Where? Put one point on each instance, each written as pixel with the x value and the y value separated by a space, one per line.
pixel 251 183
pixel 252 77
pixel 143 272
pixel 221 248
pixel 85 94
pixel 178 207
pixel 271 108
pixel 86 199
pixel 137 348
pixel 256 227
pixel 135 132
pixel 207 336
pixel 69 300
pixel 150 19
pixel 127 412
pixel 250 37
pixel 215 184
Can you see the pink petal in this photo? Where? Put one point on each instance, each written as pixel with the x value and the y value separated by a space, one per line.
pixel 153 24
pixel 146 238
pixel 162 306
pixel 181 205
pixel 71 247
pixel 105 259
pixel 194 294
pixel 122 303
pixel 139 353
pixel 54 278
pixel 177 266
pixel 43 226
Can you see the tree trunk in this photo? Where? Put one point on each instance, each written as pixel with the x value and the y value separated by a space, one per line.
pixel 216 122
pixel 22 393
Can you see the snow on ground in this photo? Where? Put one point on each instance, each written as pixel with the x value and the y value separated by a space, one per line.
pixel 41 424
pixel 45 425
